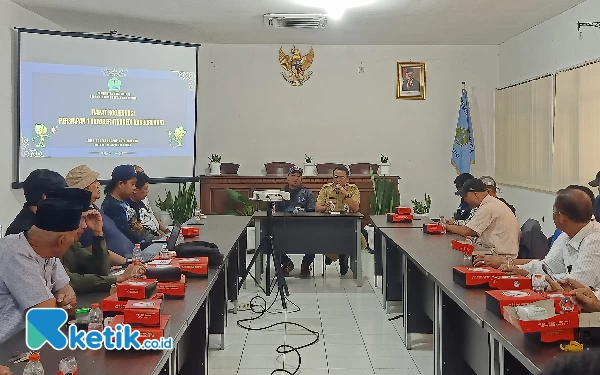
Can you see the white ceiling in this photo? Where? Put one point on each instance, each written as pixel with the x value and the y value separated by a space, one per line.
pixel 410 22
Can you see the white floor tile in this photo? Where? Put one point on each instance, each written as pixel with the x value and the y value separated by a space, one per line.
pixel 249 362
pixel 362 371
pixel 308 362
pixel 224 362
pixel 229 351
pixel 336 350
pixel 391 339
pixel 227 371
pixel 411 371
pixel 349 362
pixel 392 362
pixel 342 339
pixel 265 371
pixel 424 362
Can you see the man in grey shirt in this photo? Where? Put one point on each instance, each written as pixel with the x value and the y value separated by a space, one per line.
pixel 31 274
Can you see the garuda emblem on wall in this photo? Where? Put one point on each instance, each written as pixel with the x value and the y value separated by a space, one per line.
pixel 296 66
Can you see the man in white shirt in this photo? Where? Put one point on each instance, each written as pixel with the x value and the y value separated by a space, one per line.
pixel 493 223
pixel 576 252
pixel 161 226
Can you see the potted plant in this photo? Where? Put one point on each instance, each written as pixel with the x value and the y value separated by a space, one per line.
pixel 182 205
pixel 422 208
pixel 242 206
pixel 309 168
pixel 215 164
pixel 165 206
pixel 384 167
pixel 385 195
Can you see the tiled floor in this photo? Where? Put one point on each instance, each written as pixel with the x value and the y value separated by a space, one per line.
pixel 356 337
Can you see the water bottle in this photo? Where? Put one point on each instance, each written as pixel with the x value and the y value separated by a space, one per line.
pixel 137 252
pixel 468 252
pixel 96 320
pixel 443 223
pixel 537 283
pixel 34 366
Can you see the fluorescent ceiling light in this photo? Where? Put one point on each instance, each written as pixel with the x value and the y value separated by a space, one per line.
pixel 334 8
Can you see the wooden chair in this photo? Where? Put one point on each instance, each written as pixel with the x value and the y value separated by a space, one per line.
pixel 229 168
pixel 326 168
pixel 361 169
pixel 279 168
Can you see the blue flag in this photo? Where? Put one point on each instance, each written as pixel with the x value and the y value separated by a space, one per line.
pixel 463 150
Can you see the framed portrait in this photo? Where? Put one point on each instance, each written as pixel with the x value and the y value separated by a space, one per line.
pixel 411 81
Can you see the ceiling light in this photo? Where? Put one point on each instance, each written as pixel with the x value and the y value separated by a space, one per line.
pixel 335 8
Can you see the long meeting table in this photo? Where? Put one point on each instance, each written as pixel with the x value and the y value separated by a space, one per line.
pixel 468 338
pixel 201 312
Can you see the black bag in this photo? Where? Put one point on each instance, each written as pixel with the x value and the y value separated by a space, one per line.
pixel 200 249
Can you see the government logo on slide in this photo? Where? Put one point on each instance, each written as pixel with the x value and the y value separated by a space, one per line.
pixel 43 325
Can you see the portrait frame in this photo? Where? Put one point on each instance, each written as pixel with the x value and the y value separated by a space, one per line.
pixel 407 88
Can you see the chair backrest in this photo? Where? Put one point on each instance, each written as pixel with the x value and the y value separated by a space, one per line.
pixel 279 168
pixel 533 243
pixel 326 168
pixel 361 169
pixel 229 168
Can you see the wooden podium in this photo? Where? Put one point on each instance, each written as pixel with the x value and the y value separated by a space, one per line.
pixel 214 199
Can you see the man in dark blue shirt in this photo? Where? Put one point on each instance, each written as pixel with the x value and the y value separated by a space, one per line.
pixel 300 197
pixel 463 211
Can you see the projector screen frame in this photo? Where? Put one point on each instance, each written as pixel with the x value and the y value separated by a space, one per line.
pixel 113 36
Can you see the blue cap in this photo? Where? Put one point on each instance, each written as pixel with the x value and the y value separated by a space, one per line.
pixel 295 169
pixel 123 173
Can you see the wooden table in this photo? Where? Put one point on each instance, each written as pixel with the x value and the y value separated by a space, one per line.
pixel 213 197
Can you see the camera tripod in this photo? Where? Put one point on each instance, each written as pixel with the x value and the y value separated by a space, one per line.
pixel 267 248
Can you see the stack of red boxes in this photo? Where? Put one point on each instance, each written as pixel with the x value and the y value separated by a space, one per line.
pixel 173 283
pixel 400 215
pixel 464 247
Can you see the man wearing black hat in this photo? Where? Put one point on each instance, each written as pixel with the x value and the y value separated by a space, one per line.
pixel 494 223
pixel 463 211
pixel 300 197
pixel 596 183
pixel 88 270
pixel 31 274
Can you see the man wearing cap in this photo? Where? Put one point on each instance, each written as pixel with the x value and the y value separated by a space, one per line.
pixel 118 191
pixel 161 226
pixel 88 269
pixel 35 188
pixel 463 211
pixel 494 223
pixel 302 198
pixel 82 177
pixel 31 274
pixel 596 183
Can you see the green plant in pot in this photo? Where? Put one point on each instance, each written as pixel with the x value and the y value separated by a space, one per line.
pixel 239 205
pixel 180 206
pixel 385 195
pixel 422 208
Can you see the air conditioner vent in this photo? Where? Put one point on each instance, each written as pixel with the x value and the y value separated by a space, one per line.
pixel 296 21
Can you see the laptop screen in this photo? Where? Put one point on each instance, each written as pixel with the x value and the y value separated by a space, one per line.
pixel 173 238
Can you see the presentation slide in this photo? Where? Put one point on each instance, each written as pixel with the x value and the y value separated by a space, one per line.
pixel 105 115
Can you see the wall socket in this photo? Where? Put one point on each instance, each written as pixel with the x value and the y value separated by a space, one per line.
pixel 361 69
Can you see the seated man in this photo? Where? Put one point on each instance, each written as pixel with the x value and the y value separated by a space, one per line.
pixel 590 194
pixel 576 252
pixel 118 191
pixel 88 270
pixel 82 177
pixel 491 188
pixel 494 223
pixel 339 195
pixel 31 274
pixel 463 211
pixel 163 228
pixel 299 197
pixel 143 212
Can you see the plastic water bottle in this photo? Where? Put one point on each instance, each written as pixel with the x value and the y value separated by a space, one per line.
pixel 137 252
pixel 443 223
pixel 537 283
pixel 34 366
pixel 468 253
pixel 96 320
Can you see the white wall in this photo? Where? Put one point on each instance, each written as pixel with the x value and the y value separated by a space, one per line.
pixel 250 115
pixel 546 48
pixel 11 15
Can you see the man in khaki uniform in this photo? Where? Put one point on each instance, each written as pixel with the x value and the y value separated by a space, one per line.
pixel 339 195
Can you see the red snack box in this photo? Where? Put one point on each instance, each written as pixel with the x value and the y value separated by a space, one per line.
pixel 173 288
pixel 163 270
pixel 463 246
pixel 136 289
pixel 402 210
pixel 397 218
pixel 433 228
pixel 146 333
pixel 556 328
pixel 470 277
pixel 112 306
pixel 145 312
pixel 497 300
pixel 510 282
pixel 188 232
pixel 194 267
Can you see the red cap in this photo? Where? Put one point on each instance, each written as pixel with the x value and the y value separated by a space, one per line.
pixel 34 357
pixel 95 305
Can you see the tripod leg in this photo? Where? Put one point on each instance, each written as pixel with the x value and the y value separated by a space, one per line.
pixel 268 266
pixel 281 283
pixel 258 252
